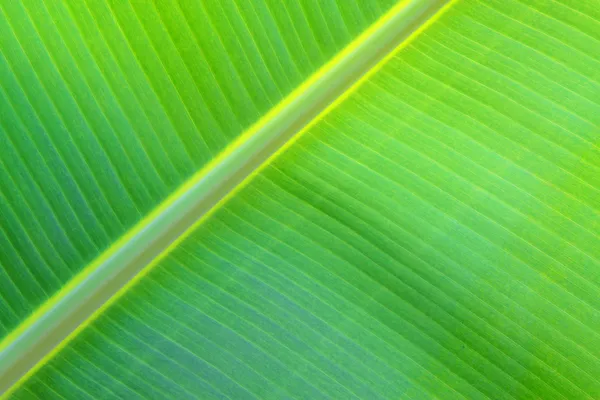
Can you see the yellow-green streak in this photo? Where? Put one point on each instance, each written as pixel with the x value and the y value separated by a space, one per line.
pixel 46 331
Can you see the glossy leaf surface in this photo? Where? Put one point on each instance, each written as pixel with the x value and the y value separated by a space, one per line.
pixel 435 235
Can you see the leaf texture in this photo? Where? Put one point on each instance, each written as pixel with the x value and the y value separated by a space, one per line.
pixel 106 107
pixel 436 235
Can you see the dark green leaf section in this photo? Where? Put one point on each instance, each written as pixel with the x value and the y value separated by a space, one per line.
pixel 435 236
pixel 107 106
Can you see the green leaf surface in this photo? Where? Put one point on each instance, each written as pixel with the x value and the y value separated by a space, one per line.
pixel 435 235
pixel 107 107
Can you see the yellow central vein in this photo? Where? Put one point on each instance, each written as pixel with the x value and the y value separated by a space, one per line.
pixel 85 297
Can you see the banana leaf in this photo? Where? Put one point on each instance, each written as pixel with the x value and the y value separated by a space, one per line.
pixel 300 199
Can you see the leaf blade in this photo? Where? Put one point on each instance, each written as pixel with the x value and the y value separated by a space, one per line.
pixel 419 241
pixel 61 317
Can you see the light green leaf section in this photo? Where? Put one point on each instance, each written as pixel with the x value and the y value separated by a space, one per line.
pixel 436 235
pixel 106 107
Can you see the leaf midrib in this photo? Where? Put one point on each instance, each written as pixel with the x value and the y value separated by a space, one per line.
pixel 84 298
